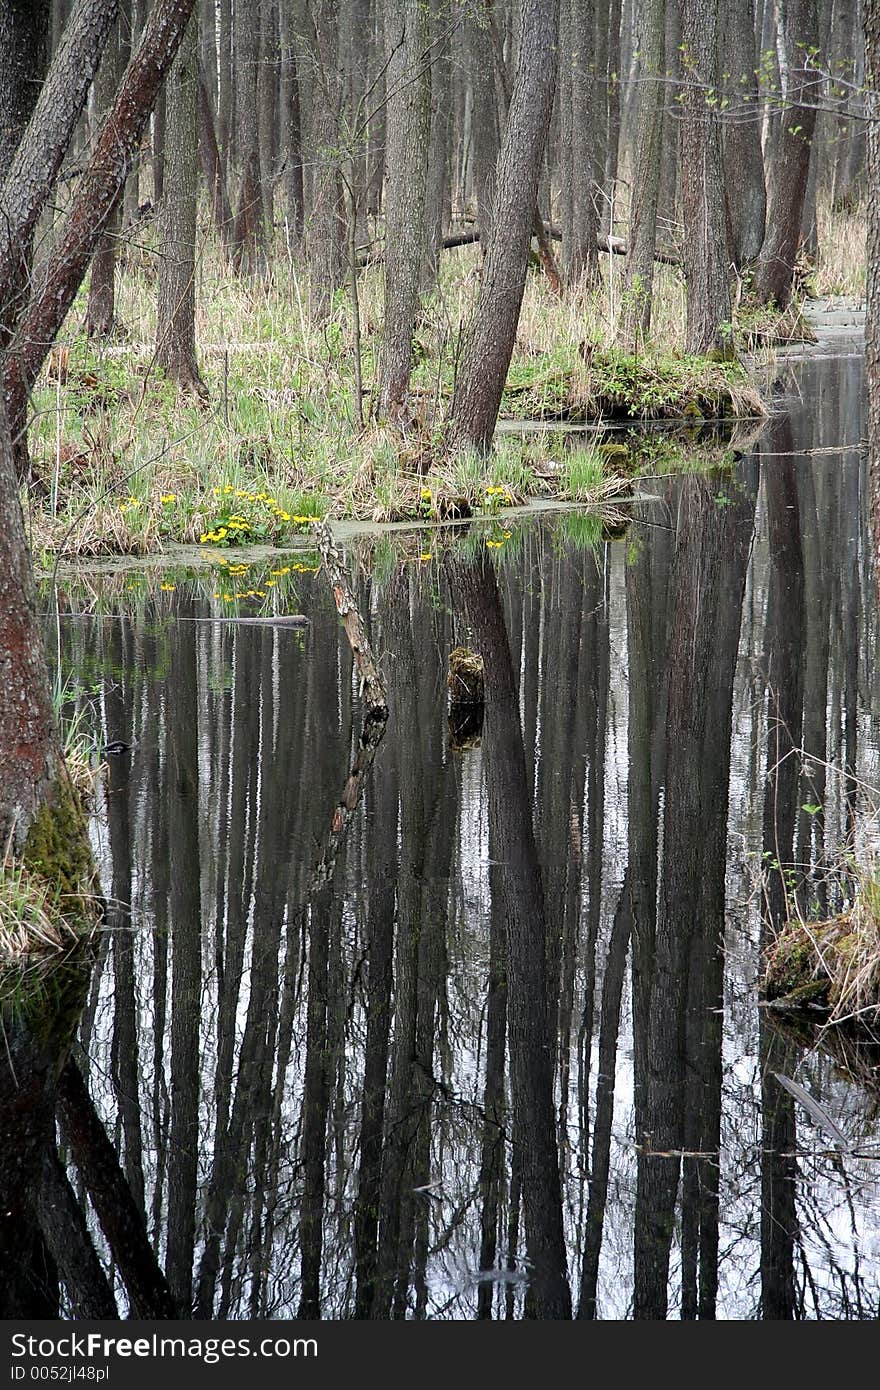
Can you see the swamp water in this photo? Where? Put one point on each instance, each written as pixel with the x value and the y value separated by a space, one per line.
pixel 309 1087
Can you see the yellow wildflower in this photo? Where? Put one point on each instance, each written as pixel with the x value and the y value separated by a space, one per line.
pixel 168 497
pixel 167 588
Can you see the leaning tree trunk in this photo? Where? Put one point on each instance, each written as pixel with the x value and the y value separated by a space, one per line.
pixel 409 88
pixel 872 322
pixel 743 159
pixel 492 332
pixel 639 292
pixel 791 158
pixel 702 184
pixel 96 197
pixel 175 323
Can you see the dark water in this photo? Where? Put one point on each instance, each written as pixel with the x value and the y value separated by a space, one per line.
pixel 513 1056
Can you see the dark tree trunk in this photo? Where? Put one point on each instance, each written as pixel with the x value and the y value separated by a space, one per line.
pixel 409 87
pixel 121 1222
pixel 791 158
pixel 475 594
pixel 485 132
pixel 212 167
pixel 492 332
pixel 702 185
pixel 24 27
pixel 651 41
pixel 101 311
pixel 70 1243
pixel 745 194
pixel 872 322
pixel 325 232
pixel 175 319
pixel 580 260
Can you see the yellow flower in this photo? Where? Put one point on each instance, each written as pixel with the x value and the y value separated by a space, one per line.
pixel 227 488
pixel 132 501
pixel 219 534
pixel 426 556
pixel 215 595
pixel 426 494
pixel 269 583
pixel 282 515
pixel 168 497
pixel 240 519
pixel 203 537
pixel 167 588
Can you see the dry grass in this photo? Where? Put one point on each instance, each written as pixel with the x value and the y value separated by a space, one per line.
pixel 833 965
pixel 32 922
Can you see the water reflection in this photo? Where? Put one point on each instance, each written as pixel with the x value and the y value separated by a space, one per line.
pixel 510 1062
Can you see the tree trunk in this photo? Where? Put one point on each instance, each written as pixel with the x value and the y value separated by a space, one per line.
pixel 98 191
pixel 872 321
pixel 24 27
pixel 791 157
pixel 409 87
pixel 745 194
pixel 492 332
pixel 36 157
pixel 175 320
pixel 702 184
pixel 484 117
pixel 639 291
pixel 248 237
pixel 101 311
pixel 325 240
pixel 580 260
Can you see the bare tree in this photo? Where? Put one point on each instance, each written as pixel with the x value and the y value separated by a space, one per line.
pixel 175 324
pixel 791 149
pixel 651 43
pixel 492 331
pixel 702 184
pixel 409 87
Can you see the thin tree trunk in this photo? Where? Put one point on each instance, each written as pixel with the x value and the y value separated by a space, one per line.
pixel 98 191
pixel 639 292
pixel 175 319
pixel 745 194
pixel 409 87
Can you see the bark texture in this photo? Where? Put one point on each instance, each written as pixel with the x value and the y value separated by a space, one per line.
pixel 492 332
pixel 791 157
pixel 872 322
pixel 96 197
pixel 409 87
pixel 636 321
pixel 175 327
pixel 702 184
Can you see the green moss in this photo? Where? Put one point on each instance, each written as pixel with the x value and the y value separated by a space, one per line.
pixel 57 846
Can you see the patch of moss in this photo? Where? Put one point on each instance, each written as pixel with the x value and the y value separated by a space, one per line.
pixel 57 845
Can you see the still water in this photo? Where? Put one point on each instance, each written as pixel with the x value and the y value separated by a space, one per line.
pixel 511 1061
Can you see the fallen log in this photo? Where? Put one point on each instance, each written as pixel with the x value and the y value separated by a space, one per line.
pixel 469 236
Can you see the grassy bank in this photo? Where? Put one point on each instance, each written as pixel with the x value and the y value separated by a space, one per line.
pixel 123 464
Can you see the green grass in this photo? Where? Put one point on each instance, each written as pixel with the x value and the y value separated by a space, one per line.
pixel 124 464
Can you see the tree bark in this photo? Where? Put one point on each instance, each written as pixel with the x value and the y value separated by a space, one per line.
pixel 745 193
pixel 702 184
pixel 580 261
pixel 249 235
pixel 409 87
pixel 99 189
pixel 872 321
pixel 791 158
pixel 175 321
pixel 101 311
pixel 492 332
pixel 639 291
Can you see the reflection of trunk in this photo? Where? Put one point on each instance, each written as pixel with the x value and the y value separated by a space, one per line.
pixel 110 1195
pixel 493 1150
pixel 475 593
pixel 784 646
pixel 314 1109
pixel 682 1092
pixel 70 1243
pixel 186 966
pixel 380 947
pixel 600 1166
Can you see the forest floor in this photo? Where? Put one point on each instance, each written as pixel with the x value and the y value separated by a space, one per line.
pixel 124 464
